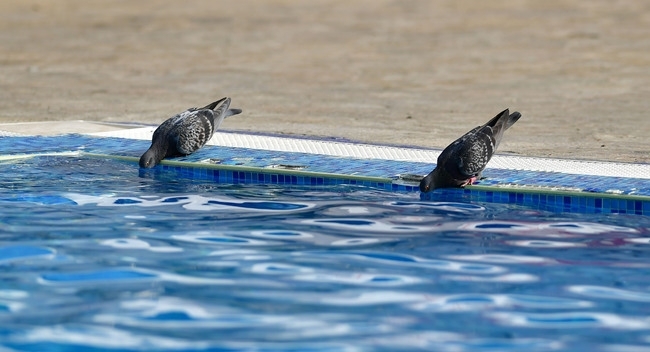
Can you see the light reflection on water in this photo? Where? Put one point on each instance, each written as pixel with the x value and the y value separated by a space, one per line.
pixel 130 264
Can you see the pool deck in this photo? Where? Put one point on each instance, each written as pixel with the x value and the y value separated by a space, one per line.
pixel 375 71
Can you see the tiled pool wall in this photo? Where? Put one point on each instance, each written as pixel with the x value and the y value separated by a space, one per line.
pixel 555 202
pixel 295 178
pixel 552 191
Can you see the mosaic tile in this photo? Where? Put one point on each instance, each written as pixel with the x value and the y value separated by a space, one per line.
pixel 544 190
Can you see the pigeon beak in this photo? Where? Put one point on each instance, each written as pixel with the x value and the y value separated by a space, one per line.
pixel 425 185
pixel 428 182
pixel 147 160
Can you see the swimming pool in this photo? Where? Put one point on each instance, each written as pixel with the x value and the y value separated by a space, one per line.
pixel 96 255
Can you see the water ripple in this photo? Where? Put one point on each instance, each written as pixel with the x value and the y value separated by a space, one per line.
pixel 503 259
pixel 39 199
pixel 189 202
pixel 475 302
pixel 545 244
pixel 451 207
pixel 131 243
pixel 546 229
pixel 17 253
pixel 610 293
pixel 362 241
pixel 342 297
pixel 282 234
pixel 354 210
pixel 364 225
pixel 571 320
pixel 7 306
pixel 176 315
pixel 639 240
pixel 359 279
pixel 627 348
pixel 409 260
pixel 443 341
pixel 308 274
pixel 279 269
pixel 507 278
pixel 13 294
pixel 125 275
pixel 102 337
pixel 216 238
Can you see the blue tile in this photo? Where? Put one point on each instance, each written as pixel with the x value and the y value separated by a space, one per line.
pixel 598 203
pixel 512 198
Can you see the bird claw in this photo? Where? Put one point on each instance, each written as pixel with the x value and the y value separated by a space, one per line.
pixel 470 181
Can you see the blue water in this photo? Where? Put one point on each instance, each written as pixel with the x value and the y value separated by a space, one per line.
pixel 98 256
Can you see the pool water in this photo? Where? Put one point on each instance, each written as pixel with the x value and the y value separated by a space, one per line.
pixel 96 255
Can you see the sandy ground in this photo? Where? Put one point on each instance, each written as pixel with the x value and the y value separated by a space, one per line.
pixel 410 72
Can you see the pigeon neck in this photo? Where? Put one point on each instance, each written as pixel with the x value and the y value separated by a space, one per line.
pixel 442 179
pixel 160 148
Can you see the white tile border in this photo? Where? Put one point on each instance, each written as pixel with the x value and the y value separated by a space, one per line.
pixel 10 134
pixel 368 151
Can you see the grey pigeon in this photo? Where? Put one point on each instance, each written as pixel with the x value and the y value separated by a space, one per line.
pixel 186 132
pixel 462 162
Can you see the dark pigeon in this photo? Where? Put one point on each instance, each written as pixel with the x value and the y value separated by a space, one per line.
pixel 462 162
pixel 186 132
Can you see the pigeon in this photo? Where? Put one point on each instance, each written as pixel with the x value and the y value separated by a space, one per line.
pixel 186 132
pixel 462 162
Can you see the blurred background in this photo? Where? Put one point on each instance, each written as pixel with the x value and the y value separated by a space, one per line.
pixel 406 72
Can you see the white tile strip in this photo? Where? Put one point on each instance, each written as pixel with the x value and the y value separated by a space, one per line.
pixel 368 151
pixel 9 134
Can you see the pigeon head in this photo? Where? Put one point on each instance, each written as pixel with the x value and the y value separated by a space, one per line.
pixel 149 159
pixel 438 178
pixel 428 182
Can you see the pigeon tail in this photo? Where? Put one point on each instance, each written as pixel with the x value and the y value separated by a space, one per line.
pixel 231 112
pixel 514 117
pixel 222 112
pixel 500 124
pixel 213 105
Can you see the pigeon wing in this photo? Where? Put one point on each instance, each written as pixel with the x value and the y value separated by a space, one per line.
pixel 475 154
pixel 471 153
pixel 193 131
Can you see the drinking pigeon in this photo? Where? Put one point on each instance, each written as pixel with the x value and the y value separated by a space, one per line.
pixel 186 132
pixel 462 162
